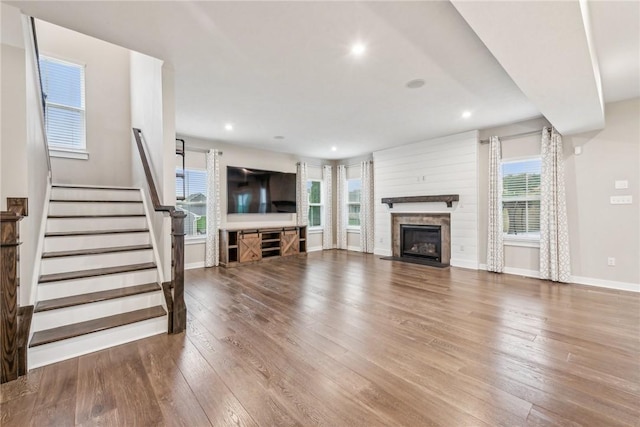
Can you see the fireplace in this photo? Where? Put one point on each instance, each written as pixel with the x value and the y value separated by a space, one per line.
pixel 421 237
pixel 421 241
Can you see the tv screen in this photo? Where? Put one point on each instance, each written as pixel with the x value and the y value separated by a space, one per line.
pixel 260 191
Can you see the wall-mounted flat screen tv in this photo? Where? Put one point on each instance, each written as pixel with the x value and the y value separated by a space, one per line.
pixel 260 191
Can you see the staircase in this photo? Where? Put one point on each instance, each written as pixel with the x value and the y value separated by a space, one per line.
pixel 98 284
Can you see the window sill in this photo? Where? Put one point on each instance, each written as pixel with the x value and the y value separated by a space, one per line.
pixel 523 242
pixel 315 230
pixel 67 153
pixel 353 229
pixel 194 240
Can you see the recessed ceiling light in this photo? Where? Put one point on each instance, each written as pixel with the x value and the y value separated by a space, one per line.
pixel 415 84
pixel 466 114
pixel 278 137
pixel 358 49
pixel 334 148
pixel 228 126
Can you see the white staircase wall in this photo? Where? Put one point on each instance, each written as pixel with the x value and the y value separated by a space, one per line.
pixel 88 208
pixel 62 350
pixel 79 193
pixel 90 262
pixel 91 224
pixel 66 243
pixel 81 313
pixel 65 288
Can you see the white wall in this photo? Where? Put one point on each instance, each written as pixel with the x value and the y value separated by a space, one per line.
pixel 445 165
pixel 107 103
pixel 153 111
pixel 13 109
pixel 597 229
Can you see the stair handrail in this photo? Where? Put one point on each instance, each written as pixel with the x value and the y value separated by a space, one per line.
pixel 175 290
pixel 43 98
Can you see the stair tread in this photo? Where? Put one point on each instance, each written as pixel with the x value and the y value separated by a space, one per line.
pixel 96 251
pixel 96 187
pixel 94 232
pixel 82 328
pixel 95 272
pixel 95 216
pixel 92 201
pixel 54 304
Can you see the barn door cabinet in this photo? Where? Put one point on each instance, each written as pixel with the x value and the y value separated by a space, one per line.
pixel 251 245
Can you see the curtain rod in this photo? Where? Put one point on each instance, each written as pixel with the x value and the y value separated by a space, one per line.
pixel 199 150
pixel 517 135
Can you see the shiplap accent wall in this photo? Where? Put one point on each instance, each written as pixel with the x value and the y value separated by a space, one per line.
pixel 446 165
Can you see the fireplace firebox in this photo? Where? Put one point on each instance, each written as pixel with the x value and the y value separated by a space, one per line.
pixel 421 241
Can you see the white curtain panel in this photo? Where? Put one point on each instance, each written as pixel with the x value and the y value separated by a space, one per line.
pixel 341 221
pixel 302 198
pixel 366 207
pixel 212 247
pixel 495 248
pixel 327 185
pixel 554 231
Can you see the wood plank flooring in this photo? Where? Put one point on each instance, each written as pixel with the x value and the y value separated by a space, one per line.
pixel 345 339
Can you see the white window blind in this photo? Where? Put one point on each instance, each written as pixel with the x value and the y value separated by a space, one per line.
pixel 354 188
pixel 63 86
pixel 521 198
pixel 314 190
pixel 195 202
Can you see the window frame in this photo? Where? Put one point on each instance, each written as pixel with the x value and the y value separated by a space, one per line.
pixel 68 151
pixel 524 240
pixel 321 204
pixel 191 238
pixel 348 203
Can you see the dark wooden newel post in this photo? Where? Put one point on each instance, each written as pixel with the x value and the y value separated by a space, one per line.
pixel 178 320
pixel 9 242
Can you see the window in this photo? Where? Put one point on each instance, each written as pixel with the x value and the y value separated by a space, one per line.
pixel 195 201
pixel 63 86
pixel 521 198
pixel 314 190
pixel 354 187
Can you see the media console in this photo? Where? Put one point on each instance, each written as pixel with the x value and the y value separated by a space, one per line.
pixel 251 245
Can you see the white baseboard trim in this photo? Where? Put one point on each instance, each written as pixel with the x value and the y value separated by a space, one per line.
pixel 354 248
pixel 609 284
pixel 516 271
pixel 463 263
pixel 383 252
pixel 314 249
pixel 192 265
pixel 588 281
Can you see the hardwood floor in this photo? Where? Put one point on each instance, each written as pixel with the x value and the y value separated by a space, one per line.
pixel 345 339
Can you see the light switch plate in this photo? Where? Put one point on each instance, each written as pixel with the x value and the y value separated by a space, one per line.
pixel 622 184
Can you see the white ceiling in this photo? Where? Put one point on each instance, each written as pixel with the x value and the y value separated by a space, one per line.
pixel 284 68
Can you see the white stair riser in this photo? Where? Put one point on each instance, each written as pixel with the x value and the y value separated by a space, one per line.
pixel 81 313
pixel 70 208
pixel 70 243
pixel 90 262
pixel 65 288
pixel 91 224
pixel 93 194
pixel 73 347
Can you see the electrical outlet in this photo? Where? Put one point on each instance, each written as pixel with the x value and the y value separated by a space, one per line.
pixel 611 261
pixel 621 200
pixel 461 248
